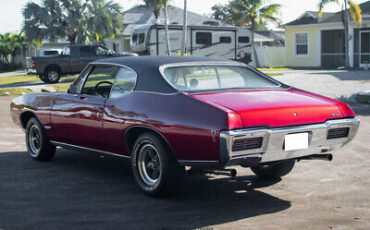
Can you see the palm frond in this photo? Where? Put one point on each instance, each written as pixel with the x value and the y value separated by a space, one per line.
pixel 355 11
pixel 323 3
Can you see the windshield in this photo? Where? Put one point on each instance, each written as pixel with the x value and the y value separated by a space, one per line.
pixel 215 77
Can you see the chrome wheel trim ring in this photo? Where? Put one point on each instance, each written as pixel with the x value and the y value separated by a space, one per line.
pixel 53 75
pixel 149 165
pixel 34 140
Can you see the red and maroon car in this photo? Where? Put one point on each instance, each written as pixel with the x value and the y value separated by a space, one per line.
pixel 165 113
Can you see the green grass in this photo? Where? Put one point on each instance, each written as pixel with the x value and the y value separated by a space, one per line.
pixel 61 87
pixel 13 91
pixel 274 69
pixel 18 79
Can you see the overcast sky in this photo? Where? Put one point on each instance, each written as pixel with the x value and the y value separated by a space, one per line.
pixel 11 10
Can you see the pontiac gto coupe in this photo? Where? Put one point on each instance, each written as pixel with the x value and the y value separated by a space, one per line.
pixel 165 113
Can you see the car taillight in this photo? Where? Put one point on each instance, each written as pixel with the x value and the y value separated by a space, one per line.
pixel 247 143
pixel 235 122
pixel 33 64
pixel 338 133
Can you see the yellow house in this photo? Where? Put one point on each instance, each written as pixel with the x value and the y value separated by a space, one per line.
pixel 313 41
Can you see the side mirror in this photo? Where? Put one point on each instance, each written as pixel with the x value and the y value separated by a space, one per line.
pixel 72 89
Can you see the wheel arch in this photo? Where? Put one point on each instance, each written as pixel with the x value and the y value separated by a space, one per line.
pixel 132 133
pixel 53 66
pixel 25 117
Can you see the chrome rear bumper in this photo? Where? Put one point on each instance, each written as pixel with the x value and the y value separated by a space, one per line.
pixel 272 148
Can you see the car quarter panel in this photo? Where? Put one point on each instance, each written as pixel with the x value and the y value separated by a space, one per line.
pixel 38 104
pixel 191 127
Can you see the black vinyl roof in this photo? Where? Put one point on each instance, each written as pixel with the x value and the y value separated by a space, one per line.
pixel 149 77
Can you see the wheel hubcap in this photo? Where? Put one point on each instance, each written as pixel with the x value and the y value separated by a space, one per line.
pixel 53 75
pixel 34 140
pixel 149 165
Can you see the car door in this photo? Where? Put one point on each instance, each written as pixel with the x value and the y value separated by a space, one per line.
pixel 116 110
pixel 77 116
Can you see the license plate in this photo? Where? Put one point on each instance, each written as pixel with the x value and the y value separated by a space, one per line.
pixel 296 141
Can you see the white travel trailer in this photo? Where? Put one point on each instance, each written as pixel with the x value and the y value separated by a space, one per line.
pixel 211 41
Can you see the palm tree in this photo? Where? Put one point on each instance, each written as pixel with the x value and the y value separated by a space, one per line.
pixel 5 49
pixel 71 19
pixel 107 20
pixel 10 45
pixel 253 12
pixel 157 6
pixel 355 11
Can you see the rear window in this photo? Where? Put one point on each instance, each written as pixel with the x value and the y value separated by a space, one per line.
pixel 215 77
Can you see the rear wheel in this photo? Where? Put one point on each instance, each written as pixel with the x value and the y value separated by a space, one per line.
pixel 38 145
pixel 52 75
pixel 155 169
pixel 274 170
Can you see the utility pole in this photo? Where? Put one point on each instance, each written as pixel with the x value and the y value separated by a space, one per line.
pixel 184 30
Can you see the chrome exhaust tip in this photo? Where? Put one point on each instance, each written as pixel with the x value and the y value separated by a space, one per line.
pixel 324 157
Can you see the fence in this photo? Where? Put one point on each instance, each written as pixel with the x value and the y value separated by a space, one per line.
pixel 270 56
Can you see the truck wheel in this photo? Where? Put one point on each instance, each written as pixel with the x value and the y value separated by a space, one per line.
pixel 38 145
pixel 155 169
pixel 52 75
pixel 274 170
pixel 43 78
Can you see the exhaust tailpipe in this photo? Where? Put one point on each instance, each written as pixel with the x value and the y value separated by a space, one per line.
pixel 324 157
pixel 227 172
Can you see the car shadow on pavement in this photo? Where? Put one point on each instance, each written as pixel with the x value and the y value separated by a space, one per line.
pixel 78 190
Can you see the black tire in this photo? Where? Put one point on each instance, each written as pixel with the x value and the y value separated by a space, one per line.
pixel 274 170
pixel 150 155
pixel 38 145
pixel 52 75
pixel 43 78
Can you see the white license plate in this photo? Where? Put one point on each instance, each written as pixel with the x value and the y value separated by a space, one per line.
pixel 296 141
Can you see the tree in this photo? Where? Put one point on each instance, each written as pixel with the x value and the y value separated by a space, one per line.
pixel 248 12
pixel 5 49
pixel 355 11
pixel 10 45
pixel 106 22
pixel 157 6
pixel 72 20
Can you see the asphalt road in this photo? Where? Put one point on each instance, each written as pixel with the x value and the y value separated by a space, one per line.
pixel 79 190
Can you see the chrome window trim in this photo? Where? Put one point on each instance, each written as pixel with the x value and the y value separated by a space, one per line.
pixel 214 63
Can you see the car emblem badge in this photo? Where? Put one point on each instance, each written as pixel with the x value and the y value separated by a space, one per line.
pixel 295 114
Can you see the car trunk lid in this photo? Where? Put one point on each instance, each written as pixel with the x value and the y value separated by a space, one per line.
pixel 275 108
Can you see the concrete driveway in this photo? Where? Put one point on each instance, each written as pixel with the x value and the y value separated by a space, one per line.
pixel 79 190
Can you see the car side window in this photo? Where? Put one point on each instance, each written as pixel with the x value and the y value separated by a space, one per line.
pixel 125 83
pixel 100 81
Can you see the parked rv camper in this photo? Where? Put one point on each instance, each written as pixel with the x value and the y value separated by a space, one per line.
pixel 210 41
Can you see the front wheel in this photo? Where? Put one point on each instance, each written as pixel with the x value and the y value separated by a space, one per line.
pixel 38 145
pixel 155 169
pixel 274 170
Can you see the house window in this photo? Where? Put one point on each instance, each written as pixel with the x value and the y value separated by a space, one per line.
pixel 301 44
pixel 203 38
pixel 225 39
pixel 243 39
